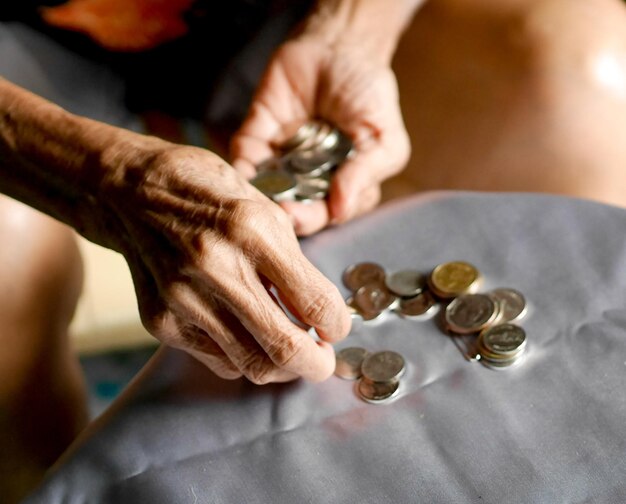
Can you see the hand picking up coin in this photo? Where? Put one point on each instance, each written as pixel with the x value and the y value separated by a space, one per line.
pixel 303 165
pixel 486 318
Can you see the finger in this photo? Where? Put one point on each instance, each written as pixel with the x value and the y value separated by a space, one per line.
pixel 316 300
pixel 219 328
pixel 367 169
pixel 288 346
pixel 204 349
pixel 252 143
pixel 367 200
pixel 248 152
pixel 307 218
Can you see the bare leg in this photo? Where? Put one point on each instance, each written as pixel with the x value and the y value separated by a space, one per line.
pixel 516 95
pixel 42 393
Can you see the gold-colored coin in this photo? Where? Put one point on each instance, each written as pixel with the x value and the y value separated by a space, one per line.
pixel 451 279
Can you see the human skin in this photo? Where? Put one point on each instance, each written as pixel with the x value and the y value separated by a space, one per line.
pixel 203 246
pixel 337 69
pixel 515 95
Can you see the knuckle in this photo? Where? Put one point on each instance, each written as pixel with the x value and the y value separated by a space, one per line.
pixel 257 368
pixel 247 221
pixel 225 371
pixel 284 350
pixel 317 309
pixel 253 225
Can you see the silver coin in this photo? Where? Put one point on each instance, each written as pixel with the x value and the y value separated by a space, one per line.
pixel 382 367
pixel 325 138
pixel 374 297
pixel 417 306
pixel 491 356
pixel 308 161
pixel 503 364
pixel 312 189
pixel 311 141
pixel 302 134
pixel 377 392
pixel 405 283
pixel 271 164
pixel 359 274
pixel 469 313
pixel 329 140
pixel 348 362
pixel 511 302
pixel 503 339
pixel 357 313
pixel 278 185
pixel 315 189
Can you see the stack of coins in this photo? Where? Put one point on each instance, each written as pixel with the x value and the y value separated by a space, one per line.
pixel 502 346
pixel 378 373
pixel 302 166
pixel 471 313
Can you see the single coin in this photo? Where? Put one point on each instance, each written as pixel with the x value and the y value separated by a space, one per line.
pixel 311 141
pixel 469 313
pixel 377 392
pixel 405 283
pixel 348 362
pixel 511 302
pixel 454 278
pixel 374 298
pixel 383 366
pixel 271 164
pixel 277 185
pixel 503 339
pixel 417 306
pixel 360 274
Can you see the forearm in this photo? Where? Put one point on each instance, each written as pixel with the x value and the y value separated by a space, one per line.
pixel 373 25
pixel 58 162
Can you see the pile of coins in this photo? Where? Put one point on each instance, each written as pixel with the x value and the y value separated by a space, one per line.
pixel 302 166
pixel 374 292
pixel 378 373
pixel 411 294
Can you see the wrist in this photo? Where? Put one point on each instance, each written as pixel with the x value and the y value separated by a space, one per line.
pixel 62 164
pixel 371 26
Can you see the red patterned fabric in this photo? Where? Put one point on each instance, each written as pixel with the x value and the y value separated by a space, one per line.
pixel 122 25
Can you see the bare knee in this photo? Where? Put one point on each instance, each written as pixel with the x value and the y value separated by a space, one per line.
pixel 40 266
pixel 523 95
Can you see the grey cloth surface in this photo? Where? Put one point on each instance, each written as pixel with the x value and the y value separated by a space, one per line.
pixel 549 431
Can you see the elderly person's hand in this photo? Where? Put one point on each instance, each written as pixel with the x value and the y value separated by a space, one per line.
pixel 337 70
pixel 206 250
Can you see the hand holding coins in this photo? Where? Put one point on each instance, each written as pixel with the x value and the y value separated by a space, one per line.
pixel 303 165
pixel 345 86
pixel 487 318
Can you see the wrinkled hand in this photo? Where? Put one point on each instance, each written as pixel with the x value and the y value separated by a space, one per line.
pixel 308 79
pixel 204 247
